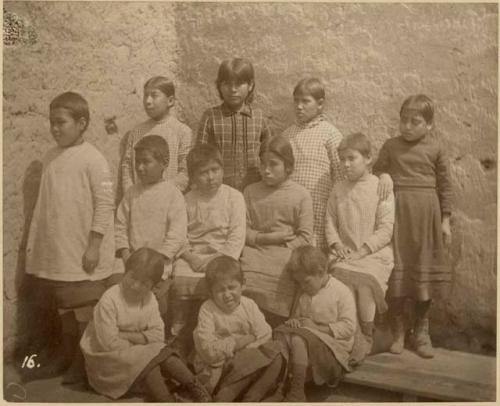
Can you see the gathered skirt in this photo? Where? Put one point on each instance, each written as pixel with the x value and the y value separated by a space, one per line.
pixel 421 263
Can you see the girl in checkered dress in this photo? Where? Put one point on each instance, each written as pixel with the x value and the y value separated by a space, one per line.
pixel 314 141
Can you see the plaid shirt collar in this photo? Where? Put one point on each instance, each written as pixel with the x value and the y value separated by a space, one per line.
pixel 313 123
pixel 245 110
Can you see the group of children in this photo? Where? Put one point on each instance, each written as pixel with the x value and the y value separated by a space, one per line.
pixel 272 254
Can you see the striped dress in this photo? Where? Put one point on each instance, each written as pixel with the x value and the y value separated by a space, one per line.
pixel 317 165
pixel 179 139
pixel 238 136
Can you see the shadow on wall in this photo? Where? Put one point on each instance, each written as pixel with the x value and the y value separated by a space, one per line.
pixel 29 317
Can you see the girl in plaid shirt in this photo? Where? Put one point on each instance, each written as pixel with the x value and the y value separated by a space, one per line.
pixel 314 141
pixel 234 127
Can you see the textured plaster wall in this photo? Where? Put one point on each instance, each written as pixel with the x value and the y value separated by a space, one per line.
pixel 370 56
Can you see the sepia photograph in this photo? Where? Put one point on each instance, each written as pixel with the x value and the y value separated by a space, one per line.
pixel 249 202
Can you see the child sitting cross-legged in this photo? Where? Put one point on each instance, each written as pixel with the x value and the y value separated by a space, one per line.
pixel 235 356
pixel 319 336
pixel 124 344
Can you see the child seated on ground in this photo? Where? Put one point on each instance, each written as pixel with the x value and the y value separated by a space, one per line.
pixel 70 249
pixel 235 356
pixel 359 230
pixel 152 213
pixel 216 226
pixel 124 343
pixel 319 336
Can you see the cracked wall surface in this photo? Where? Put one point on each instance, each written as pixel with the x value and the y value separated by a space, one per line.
pixel 370 56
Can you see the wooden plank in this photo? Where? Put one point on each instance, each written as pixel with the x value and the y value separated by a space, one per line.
pixel 450 375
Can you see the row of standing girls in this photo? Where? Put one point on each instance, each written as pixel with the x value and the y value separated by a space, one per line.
pixel 304 186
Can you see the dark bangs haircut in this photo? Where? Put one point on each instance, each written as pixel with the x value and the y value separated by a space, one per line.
pixel 200 155
pixel 358 142
pixel 239 70
pixel 310 86
pixel 146 265
pixel 420 103
pixel 74 103
pixel 223 267
pixel 280 146
pixel 165 85
pixel 156 145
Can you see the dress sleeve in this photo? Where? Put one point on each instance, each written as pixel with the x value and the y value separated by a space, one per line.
pixel 155 330
pixel 212 349
pixel 382 165
pixel 205 130
pixel 186 141
pixel 122 225
pixel 266 130
pixel 237 226
pixel 384 225
pixel 176 231
pixel 443 182
pixel 336 169
pixel 101 185
pixel 106 328
pixel 127 164
pixel 331 232
pixel 304 223
pixel 345 326
pixel 260 329
pixel 251 233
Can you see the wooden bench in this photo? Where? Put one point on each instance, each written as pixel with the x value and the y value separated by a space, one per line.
pixel 449 376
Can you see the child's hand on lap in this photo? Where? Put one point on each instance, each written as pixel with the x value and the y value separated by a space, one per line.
pixel 341 250
pixel 385 186
pixel 293 323
pixel 305 322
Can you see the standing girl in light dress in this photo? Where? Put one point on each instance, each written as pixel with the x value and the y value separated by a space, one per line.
pixel 417 165
pixel 359 230
pixel 279 219
pixel 124 344
pixel 158 102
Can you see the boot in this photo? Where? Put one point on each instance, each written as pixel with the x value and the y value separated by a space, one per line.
pixel 198 392
pixel 76 372
pixel 421 340
pixel 398 329
pixel 52 366
pixel 296 391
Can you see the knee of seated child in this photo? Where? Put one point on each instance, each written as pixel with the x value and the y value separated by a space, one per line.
pixel 69 324
pixel 84 314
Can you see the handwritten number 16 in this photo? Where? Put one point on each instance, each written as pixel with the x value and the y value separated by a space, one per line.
pixel 29 361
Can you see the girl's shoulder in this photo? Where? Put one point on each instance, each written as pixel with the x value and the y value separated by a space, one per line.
pixel 296 188
pixel 111 297
pixel 143 127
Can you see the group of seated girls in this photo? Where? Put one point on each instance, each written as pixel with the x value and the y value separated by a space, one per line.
pixel 278 284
